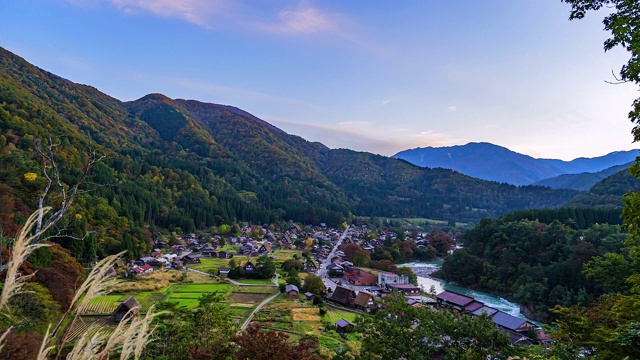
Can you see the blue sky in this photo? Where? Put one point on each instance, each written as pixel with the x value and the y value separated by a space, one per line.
pixel 377 76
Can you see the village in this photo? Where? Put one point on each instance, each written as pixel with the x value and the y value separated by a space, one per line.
pixel 317 252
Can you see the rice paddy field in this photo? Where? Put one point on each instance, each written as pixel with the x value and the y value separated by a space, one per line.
pixel 87 325
pixel 240 299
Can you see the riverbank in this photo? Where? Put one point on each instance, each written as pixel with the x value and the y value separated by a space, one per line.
pixel 424 270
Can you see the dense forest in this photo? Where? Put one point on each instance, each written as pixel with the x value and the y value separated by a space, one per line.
pixel 540 262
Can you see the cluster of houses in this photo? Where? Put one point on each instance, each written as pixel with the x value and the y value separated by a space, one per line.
pixel 378 287
pixel 516 328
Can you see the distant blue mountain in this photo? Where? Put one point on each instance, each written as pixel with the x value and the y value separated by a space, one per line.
pixel 582 181
pixel 492 162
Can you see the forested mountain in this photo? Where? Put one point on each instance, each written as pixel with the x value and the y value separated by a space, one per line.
pixel 608 192
pixel 186 164
pixel 492 162
pixel 582 181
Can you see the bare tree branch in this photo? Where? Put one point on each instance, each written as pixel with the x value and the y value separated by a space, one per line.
pixel 50 169
pixel 618 80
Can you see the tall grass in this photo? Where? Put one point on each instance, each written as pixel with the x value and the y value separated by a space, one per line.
pixel 130 336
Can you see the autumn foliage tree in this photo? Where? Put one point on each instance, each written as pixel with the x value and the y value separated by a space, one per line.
pixel 257 344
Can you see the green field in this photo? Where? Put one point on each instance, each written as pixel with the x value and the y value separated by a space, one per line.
pixel 256 281
pixel 334 315
pixel 207 263
pixel 202 288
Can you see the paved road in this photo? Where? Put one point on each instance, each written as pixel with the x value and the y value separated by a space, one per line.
pixel 246 323
pixel 322 272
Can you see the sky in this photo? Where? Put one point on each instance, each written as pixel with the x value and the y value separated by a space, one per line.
pixel 368 75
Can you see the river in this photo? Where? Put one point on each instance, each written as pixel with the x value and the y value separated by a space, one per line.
pixel 424 269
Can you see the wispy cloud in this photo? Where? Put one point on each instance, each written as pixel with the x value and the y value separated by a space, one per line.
pixel 452 108
pixel 199 12
pixel 365 136
pixel 208 13
pixel 307 20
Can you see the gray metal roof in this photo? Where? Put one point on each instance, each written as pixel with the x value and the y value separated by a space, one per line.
pixel 455 298
pixel 508 321
pixel 342 323
pixel 485 310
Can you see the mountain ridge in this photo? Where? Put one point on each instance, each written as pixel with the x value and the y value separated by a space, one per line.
pixel 496 163
pixel 190 165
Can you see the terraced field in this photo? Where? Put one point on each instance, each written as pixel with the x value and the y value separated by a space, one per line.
pixel 103 305
pixel 88 325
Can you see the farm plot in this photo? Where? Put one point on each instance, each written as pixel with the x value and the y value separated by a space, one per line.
pixel 256 289
pixel 147 300
pixel 103 305
pixel 334 315
pixel 89 325
pixel 202 288
pixel 188 295
pixel 306 314
pixel 247 297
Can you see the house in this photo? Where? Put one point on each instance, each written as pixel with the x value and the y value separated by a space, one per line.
pixel 129 307
pixel 454 300
pixel 406 289
pixel 343 296
pixel 292 291
pixel 515 327
pixel 486 310
pixel 141 270
pixel 249 268
pixel 224 254
pixel 265 248
pixel 207 251
pixel 311 266
pixel 192 259
pixel 359 278
pixel 145 260
pixel 473 306
pixel 344 326
pixel 364 301
pixel 335 268
pixel 390 278
pixel 309 295
pixel 223 272
pixel 170 257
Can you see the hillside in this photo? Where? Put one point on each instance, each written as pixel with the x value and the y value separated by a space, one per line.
pixel 582 181
pixel 608 192
pixel 186 165
pixel 496 163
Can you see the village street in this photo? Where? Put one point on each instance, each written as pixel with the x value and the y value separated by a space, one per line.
pixel 322 271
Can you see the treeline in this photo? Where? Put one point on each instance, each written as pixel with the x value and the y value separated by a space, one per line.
pixel 576 218
pixel 537 264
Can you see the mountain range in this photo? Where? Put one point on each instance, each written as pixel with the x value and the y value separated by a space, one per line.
pixel 496 163
pixel 184 165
